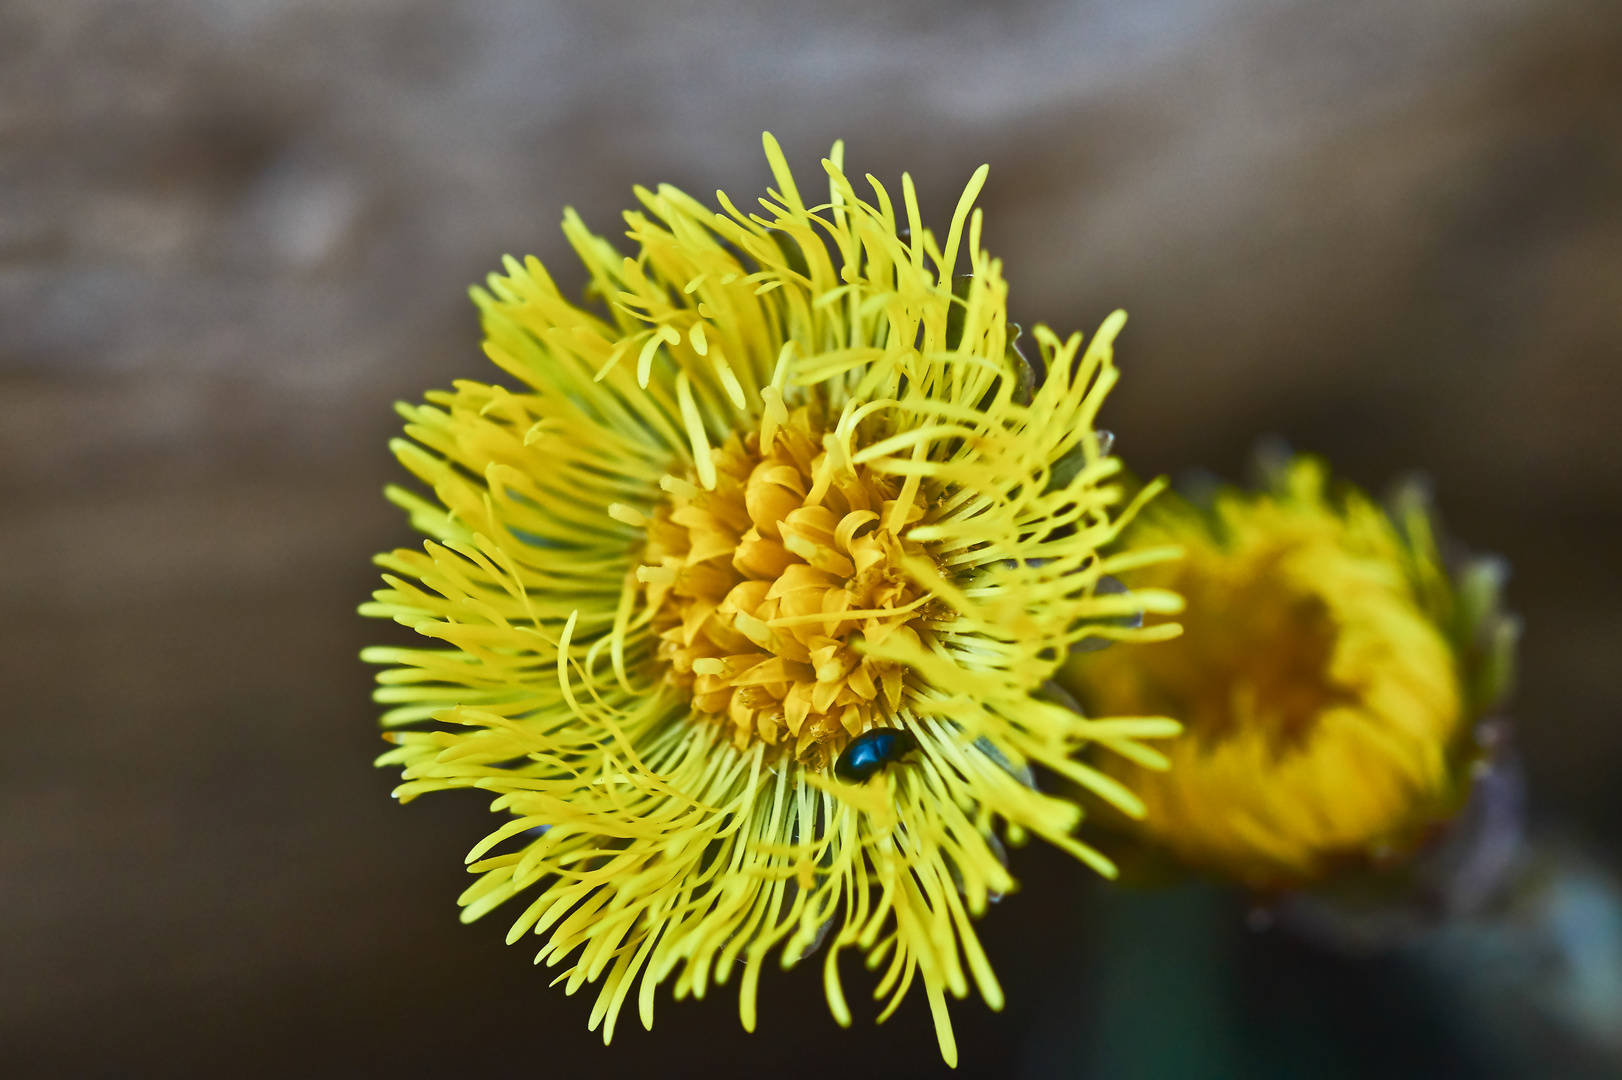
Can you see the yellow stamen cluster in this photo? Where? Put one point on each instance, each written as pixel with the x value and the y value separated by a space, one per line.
pixel 770 587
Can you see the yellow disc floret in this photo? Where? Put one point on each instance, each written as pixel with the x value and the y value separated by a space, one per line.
pixel 769 589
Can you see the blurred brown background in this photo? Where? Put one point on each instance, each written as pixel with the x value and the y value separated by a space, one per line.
pixel 232 232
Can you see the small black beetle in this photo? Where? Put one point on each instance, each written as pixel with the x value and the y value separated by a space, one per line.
pixel 873 750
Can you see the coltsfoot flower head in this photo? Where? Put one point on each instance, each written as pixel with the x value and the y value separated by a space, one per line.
pixel 1329 676
pixel 743 605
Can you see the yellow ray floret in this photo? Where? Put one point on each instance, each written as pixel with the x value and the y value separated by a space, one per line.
pixel 779 486
pixel 1329 677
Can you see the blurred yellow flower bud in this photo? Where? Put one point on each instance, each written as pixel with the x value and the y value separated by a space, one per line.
pixel 1328 676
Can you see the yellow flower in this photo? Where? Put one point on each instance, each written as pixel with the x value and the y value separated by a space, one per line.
pixel 1328 677
pixel 742 602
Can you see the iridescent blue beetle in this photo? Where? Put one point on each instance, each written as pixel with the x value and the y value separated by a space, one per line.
pixel 873 750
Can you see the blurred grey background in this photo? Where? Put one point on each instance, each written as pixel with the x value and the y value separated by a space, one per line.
pixel 233 232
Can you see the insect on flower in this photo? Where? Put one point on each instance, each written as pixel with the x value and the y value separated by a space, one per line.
pixel 871 751
pixel 775 491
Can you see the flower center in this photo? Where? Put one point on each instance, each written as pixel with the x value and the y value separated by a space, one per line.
pixel 1256 656
pixel 764 587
